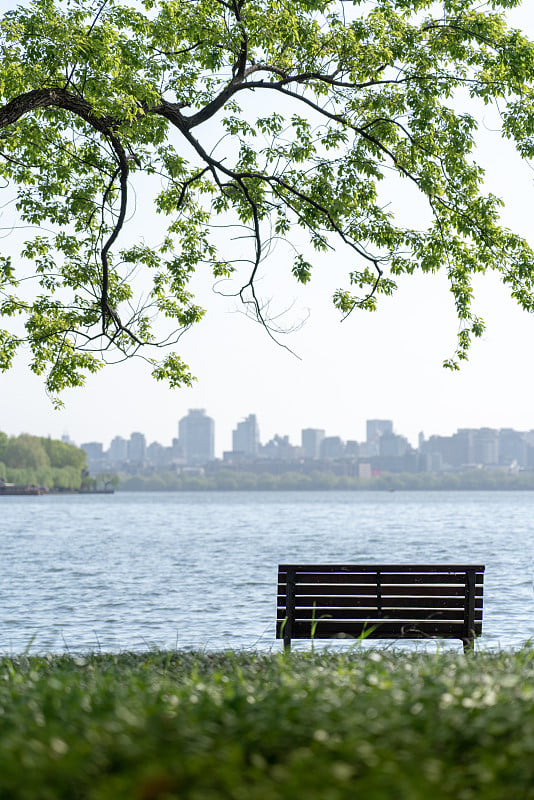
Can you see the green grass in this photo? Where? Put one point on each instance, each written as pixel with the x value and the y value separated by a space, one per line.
pixel 361 725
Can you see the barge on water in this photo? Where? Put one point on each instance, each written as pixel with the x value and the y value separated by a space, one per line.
pixel 24 491
pixel 13 488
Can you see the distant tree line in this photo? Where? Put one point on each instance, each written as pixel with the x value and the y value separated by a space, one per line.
pixel 246 481
pixel 40 461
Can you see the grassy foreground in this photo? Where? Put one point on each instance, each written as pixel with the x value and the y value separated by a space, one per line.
pixel 369 725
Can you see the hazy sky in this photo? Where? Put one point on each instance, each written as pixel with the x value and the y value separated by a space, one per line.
pixel 386 364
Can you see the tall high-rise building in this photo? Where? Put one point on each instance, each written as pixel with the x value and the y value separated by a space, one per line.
pixel 464 447
pixel 377 428
pixel 118 450
pixel 137 448
pixel 197 436
pixel 246 437
pixel 311 439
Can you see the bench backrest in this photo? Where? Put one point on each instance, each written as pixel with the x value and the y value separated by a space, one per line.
pixel 324 601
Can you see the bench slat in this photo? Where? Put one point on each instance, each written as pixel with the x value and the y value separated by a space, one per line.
pixel 409 568
pixel 417 590
pixel 373 614
pixel 340 601
pixel 325 629
pixel 359 578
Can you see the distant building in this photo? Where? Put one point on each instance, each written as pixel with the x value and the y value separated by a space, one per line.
pixel 450 451
pixel 376 428
pixel 178 455
pixel 352 449
pixel 390 445
pixel 464 447
pixel 246 437
pixel 118 450
pixel 94 450
pixel 513 448
pixel 529 440
pixel 486 446
pixel 158 455
pixel 279 447
pixel 438 452
pixel 332 447
pixel 137 448
pixel 470 446
pixel 430 461
pixel 197 437
pixel 235 458
pixel 311 439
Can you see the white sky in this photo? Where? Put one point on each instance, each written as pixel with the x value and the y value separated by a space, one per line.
pixel 383 365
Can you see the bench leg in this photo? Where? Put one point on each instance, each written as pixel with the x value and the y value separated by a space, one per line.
pixel 469 645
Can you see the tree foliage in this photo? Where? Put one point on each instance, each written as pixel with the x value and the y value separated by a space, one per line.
pixel 36 460
pixel 259 116
pixel 470 480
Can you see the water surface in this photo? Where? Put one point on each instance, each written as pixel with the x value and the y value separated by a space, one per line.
pixel 133 571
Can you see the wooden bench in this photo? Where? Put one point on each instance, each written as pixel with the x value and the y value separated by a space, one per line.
pixel 325 601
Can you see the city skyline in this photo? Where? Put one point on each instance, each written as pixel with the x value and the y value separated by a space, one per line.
pixel 505 452
pixel 194 444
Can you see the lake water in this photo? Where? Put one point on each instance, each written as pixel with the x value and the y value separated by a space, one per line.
pixel 134 571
